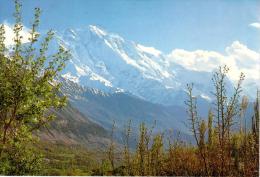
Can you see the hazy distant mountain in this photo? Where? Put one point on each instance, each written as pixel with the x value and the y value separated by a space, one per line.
pixel 88 117
pixel 103 108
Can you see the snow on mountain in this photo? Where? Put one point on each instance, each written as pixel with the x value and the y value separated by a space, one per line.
pixel 111 63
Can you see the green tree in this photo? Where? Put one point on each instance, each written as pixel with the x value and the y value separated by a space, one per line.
pixel 28 89
pixel 127 154
pixel 157 155
pixel 111 148
pixel 210 128
pixel 198 127
pixel 141 148
pixel 226 110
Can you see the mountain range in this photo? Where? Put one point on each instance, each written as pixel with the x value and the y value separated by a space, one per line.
pixel 110 63
pixel 109 78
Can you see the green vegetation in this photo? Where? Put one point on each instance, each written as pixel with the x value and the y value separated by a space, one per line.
pixel 159 154
pixel 27 91
pixel 61 159
pixel 220 149
pixel 29 95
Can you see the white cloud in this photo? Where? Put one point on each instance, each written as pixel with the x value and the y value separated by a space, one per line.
pixel 238 57
pixel 255 25
pixel 150 50
pixel 9 34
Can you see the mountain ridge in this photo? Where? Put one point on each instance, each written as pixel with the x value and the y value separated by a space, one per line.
pixel 110 63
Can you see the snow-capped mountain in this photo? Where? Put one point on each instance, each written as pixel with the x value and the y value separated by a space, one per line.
pixel 109 62
pixel 113 64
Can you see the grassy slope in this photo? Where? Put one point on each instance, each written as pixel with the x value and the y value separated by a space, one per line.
pixel 73 128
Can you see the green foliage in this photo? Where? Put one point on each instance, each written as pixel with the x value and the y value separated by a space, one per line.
pixel 111 149
pixel 210 128
pixel 20 159
pixel 157 153
pixel 127 153
pixel 226 151
pixel 27 91
pixel 202 131
pixel 64 159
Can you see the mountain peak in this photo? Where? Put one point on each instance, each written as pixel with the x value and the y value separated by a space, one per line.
pixel 97 30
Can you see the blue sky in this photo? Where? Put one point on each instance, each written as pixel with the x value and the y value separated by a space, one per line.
pixel 164 24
